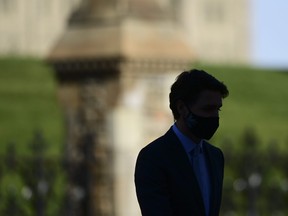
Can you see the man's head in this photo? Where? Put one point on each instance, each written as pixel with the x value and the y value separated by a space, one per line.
pixel 189 85
pixel 196 93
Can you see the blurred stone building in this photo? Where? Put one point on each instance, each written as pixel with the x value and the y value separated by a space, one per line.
pixel 115 61
pixel 31 27
pixel 218 31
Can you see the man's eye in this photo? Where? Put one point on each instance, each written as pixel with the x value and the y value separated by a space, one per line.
pixel 209 109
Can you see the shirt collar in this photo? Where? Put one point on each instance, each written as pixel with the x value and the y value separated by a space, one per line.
pixel 186 142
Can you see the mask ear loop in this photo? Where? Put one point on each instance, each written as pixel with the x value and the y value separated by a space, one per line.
pixel 191 120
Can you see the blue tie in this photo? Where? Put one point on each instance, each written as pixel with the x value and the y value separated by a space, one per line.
pixel 198 162
pixel 195 153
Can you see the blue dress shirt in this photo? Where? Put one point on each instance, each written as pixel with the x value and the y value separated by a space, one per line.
pixel 203 174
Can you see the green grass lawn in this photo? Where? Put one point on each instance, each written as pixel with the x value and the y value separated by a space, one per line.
pixel 28 104
pixel 257 100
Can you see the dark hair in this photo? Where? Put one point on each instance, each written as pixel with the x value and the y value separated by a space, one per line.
pixel 188 86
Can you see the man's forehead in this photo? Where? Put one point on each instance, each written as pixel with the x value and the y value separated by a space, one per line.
pixel 210 97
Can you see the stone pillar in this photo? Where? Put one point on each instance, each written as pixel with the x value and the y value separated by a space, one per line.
pixel 88 94
pixel 141 116
pixel 109 67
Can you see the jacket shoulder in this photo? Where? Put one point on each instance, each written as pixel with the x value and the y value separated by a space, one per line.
pixel 211 147
pixel 216 151
pixel 155 146
pixel 169 136
pixel 161 145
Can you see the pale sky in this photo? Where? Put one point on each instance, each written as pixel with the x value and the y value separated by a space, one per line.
pixel 270 33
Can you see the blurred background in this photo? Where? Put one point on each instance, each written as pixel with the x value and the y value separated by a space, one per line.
pixel 84 86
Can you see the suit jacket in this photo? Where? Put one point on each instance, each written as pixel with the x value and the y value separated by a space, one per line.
pixel 166 184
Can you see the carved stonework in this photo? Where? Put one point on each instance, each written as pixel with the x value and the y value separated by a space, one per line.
pixel 89 153
pixel 96 103
pixel 110 47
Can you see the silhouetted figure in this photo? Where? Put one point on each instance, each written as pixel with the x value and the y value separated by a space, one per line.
pixel 180 173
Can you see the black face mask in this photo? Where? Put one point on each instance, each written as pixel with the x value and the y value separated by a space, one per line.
pixel 202 127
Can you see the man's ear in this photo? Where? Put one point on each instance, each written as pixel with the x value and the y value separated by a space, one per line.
pixel 182 108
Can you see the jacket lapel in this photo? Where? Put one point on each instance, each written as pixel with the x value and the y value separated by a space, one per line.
pixel 184 168
pixel 216 180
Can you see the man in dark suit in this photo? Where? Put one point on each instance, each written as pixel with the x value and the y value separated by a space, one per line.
pixel 180 173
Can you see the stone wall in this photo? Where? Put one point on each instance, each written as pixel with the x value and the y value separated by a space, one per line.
pixel 31 27
pixel 141 116
pixel 119 113
pixel 217 30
